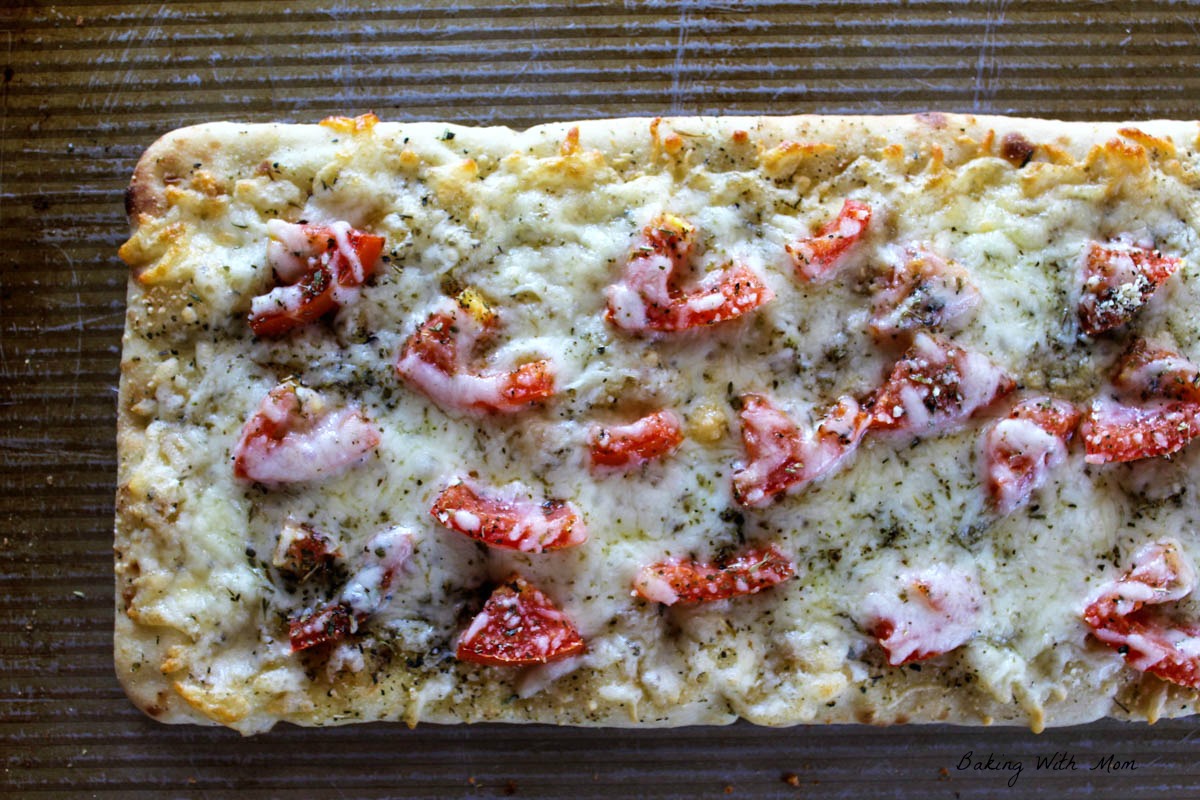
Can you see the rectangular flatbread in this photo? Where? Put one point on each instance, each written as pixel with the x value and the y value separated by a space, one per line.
pixel 662 422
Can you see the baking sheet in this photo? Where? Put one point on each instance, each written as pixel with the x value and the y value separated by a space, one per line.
pixel 85 87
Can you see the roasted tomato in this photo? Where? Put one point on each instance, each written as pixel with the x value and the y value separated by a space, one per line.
pixel 1155 411
pixel 294 436
pixel 302 550
pixel 1114 432
pixel 330 622
pixel 320 268
pixel 1125 615
pixel 935 387
pixel 1020 450
pixel 781 457
pixel 819 257
pixel 929 612
pixel 436 360
pixel 685 581
pixel 1155 370
pixel 1118 279
pixel 922 291
pixel 519 627
pixel 629 446
pixel 367 591
pixel 648 298
pixel 513 522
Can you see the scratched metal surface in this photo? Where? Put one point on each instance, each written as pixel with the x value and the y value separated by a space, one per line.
pixel 86 86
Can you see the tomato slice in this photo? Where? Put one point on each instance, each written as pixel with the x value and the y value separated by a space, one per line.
pixel 367 591
pixel 1118 279
pixel 1057 417
pixel 783 458
pixel 1114 432
pixel 648 298
pixel 294 436
pixel 818 257
pixel 726 294
pixel 936 387
pixel 530 383
pixel 519 626
pixel 1156 412
pixel 1150 370
pixel 1021 450
pixel 1124 615
pixel 927 613
pixel 435 360
pixel 324 624
pixel 303 550
pixel 513 522
pixel 668 235
pixel 922 291
pixel 628 446
pixel 687 581
pixel 321 267
pixel 1160 647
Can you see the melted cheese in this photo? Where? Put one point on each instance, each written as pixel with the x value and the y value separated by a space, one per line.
pixel 929 612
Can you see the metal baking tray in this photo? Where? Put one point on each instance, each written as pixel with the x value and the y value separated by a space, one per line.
pixel 86 86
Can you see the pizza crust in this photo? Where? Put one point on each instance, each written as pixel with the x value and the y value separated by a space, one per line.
pixel 541 221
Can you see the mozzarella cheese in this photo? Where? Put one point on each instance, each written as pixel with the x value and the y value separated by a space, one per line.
pixel 541 223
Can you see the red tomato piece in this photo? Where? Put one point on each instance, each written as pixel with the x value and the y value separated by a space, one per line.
pixel 519 626
pixel 819 257
pixel 935 387
pixel 783 458
pixel 1057 417
pixel 436 360
pixel 294 436
pixel 668 235
pixel 320 267
pixel 1021 449
pixel 733 291
pixel 686 581
pixel 1161 648
pixel 1118 279
pixel 1157 414
pixel 929 612
pixel 628 446
pixel 328 623
pixel 922 291
pixel 367 590
pixel 1124 615
pixel 437 339
pixel 1159 574
pixel 1152 370
pixel 302 550
pixel 1114 432
pixel 648 298
pixel 512 522
pixel 529 383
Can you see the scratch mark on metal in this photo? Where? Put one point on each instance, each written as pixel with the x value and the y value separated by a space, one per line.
pixel 4 372
pixel 4 119
pixel 987 67
pixel 77 326
pixel 677 67
pixel 534 53
pixel 153 32
pixel 81 323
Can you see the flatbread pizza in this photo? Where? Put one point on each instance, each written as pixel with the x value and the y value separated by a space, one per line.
pixel 662 422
